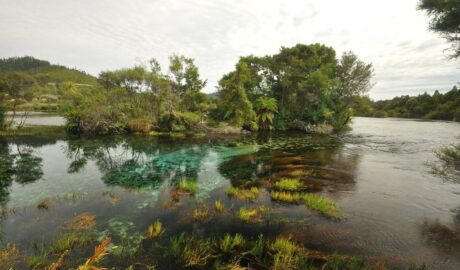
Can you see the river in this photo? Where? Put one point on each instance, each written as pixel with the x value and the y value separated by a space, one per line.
pixel 395 209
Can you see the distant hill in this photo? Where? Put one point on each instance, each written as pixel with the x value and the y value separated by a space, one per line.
pixel 44 81
pixel 43 71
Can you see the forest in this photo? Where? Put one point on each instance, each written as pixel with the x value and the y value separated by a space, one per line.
pixel 306 87
pixel 438 106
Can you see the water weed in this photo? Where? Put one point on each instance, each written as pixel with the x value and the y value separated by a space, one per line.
pixel 323 205
pixel 244 194
pixel 154 230
pixel 189 187
pixel 200 214
pixel 219 206
pixel 229 243
pixel 290 184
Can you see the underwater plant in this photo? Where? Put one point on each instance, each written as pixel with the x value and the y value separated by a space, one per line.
pixel 244 194
pixel 70 240
pixel 219 206
pixel 154 230
pixel 229 243
pixel 190 251
pixel 249 215
pixel 287 197
pixel 99 253
pixel 189 187
pixel 200 214
pixel 290 184
pixel 287 254
pixel 323 205
pixel 83 221
pixel 9 256
pixel 44 204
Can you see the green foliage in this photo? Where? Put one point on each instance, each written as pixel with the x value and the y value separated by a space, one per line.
pixel 448 164
pixel 287 254
pixel 70 240
pixel 437 106
pixel 154 230
pixel 187 186
pixel 244 194
pixel 229 243
pixel 288 184
pixel 301 85
pixel 444 17
pixel 315 202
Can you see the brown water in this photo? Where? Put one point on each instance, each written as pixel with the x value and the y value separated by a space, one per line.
pixel 395 210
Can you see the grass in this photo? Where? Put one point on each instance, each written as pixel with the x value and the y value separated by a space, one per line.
pixel 290 184
pixel 286 196
pixel 323 205
pixel 56 131
pixel 191 251
pixel 189 187
pixel 229 243
pixel 219 206
pixel 249 215
pixel 69 241
pixel 155 230
pixel 287 254
pixel 200 214
pixel 315 202
pixel 38 261
pixel 244 194
pixel 9 256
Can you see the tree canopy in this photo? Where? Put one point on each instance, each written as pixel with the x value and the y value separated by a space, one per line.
pixel 445 19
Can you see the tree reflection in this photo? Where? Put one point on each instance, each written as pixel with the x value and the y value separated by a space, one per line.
pixel 17 163
pixel 137 162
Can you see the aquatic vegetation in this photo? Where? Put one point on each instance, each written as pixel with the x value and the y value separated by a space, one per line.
pixel 249 215
pixel 448 165
pixel 300 173
pixel 321 204
pixel 56 265
pixel 289 184
pixel 287 254
pixel 128 239
pixel 336 262
pixel 244 194
pixel 83 221
pixel 99 253
pixel 38 261
pixel 229 243
pixel 154 230
pixel 70 240
pixel 257 249
pixel 286 196
pixel 189 187
pixel 218 205
pixel 44 204
pixel 191 251
pixel 9 256
pixel 200 214
pixel 318 203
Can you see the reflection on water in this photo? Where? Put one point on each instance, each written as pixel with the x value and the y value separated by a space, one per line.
pixel 396 211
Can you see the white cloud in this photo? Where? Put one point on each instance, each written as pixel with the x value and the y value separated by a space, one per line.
pixel 100 35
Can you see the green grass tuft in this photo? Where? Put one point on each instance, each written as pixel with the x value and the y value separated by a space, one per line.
pixel 187 186
pixel 290 184
pixel 244 194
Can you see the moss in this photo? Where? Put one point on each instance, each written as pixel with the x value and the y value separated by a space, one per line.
pixel 289 184
pixel 244 194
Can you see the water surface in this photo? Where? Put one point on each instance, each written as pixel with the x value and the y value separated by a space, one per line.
pixel 396 210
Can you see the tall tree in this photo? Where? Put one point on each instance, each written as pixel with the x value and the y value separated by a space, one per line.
pixel 445 19
pixel 235 105
pixel 354 76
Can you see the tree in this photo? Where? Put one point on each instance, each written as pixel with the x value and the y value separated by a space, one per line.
pixel 354 76
pixel 445 19
pixel 185 76
pixel 235 105
pixel 265 109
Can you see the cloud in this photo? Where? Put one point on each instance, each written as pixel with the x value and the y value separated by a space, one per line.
pixel 101 35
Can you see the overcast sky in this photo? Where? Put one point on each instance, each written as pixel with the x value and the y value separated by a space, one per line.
pixel 106 34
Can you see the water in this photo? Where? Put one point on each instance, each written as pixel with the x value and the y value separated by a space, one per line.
pixel 378 173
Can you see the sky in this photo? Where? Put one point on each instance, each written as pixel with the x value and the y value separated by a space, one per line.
pixel 105 34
